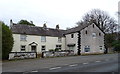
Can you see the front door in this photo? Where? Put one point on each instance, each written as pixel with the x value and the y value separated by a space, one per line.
pixel 33 48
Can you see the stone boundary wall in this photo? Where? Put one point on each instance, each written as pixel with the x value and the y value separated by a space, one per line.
pixel 22 55
pixel 57 53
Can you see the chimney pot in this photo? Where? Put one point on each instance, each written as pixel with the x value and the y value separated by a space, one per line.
pixel 57 26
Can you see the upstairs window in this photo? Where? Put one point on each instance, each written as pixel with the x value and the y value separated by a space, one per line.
pixel 43 38
pixel 99 34
pixel 86 32
pixel 93 26
pixel 94 35
pixel 59 39
pixel 22 47
pixel 23 37
pixel 72 35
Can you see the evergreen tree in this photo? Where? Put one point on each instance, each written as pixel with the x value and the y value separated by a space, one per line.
pixel 7 41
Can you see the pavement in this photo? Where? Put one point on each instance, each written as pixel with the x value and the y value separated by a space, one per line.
pixel 89 63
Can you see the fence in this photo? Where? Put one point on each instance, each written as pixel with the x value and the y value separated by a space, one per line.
pixel 22 55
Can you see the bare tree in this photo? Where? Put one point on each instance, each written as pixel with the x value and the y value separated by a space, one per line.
pixel 100 18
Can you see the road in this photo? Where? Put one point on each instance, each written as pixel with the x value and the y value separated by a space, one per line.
pixel 90 63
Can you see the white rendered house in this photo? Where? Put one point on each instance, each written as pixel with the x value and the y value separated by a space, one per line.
pixel 81 39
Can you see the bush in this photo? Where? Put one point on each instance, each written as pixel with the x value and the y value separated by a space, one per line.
pixel 57 49
pixel 117 47
pixel 51 50
pixel 7 41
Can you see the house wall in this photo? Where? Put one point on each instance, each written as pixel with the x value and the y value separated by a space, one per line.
pixel 73 40
pixel 94 43
pixel 50 43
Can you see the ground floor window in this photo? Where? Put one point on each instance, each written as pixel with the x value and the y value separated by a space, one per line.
pixel 87 48
pixel 71 47
pixel 59 47
pixel 23 47
pixel 100 47
pixel 43 47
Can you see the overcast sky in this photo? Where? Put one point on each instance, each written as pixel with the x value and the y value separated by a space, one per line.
pixel 63 12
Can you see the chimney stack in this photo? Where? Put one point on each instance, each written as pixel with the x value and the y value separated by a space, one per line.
pixel 31 22
pixel 57 26
pixel 11 23
pixel 44 25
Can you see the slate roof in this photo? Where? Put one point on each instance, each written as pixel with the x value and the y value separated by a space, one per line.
pixel 80 27
pixel 35 30
pixel 76 29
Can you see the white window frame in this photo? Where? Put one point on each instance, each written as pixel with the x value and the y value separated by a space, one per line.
pixel 43 49
pixel 72 35
pixel 59 47
pixel 71 48
pixel 60 39
pixel 43 38
pixel 23 37
pixel 87 48
pixel 23 49
pixel 94 35
pixel 101 48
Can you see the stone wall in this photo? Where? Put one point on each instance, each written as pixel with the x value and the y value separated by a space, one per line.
pixel 22 55
pixel 57 53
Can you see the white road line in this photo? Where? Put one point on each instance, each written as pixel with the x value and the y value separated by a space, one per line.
pixel 54 68
pixel 97 61
pixel 73 65
pixel 34 71
pixel 85 63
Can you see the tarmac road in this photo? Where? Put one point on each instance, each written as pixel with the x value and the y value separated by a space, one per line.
pixel 89 63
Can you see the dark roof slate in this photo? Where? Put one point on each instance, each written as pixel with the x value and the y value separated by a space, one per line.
pixel 76 29
pixel 34 30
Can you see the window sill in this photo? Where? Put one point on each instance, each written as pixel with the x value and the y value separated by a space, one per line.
pixel 23 40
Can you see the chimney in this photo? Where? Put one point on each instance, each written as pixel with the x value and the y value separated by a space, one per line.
pixel 11 23
pixel 44 25
pixel 31 22
pixel 57 26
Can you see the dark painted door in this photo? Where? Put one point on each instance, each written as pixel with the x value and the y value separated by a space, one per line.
pixel 33 48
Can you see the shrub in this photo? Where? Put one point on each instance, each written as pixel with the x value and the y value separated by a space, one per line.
pixel 57 49
pixel 51 50
pixel 7 41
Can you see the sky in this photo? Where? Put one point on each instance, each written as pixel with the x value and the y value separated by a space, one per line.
pixel 66 13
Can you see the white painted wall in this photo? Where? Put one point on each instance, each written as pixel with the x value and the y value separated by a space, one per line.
pixel 50 43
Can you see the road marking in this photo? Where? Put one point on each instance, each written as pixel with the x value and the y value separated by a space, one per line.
pixel 97 61
pixel 34 71
pixel 54 68
pixel 85 63
pixel 73 65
